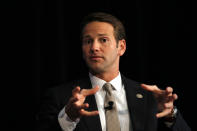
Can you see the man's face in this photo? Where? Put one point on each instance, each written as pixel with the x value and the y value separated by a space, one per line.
pixel 99 47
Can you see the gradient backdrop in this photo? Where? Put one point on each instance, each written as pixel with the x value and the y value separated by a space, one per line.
pixel 43 49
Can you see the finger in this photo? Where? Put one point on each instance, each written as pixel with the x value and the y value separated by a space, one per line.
pixel 167 96
pixel 152 88
pixel 83 106
pixel 73 99
pixel 164 113
pixel 76 90
pixel 169 91
pixel 168 105
pixel 171 98
pixel 88 113
pixel 175 97
pixel 87 92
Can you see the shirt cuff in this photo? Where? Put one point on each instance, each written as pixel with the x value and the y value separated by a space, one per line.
pixel 65 122
pixel 171 120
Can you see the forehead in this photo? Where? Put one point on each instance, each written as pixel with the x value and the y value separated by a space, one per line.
pixel 98 28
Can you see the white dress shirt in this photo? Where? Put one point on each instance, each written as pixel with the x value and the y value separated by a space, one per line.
pixel 121 103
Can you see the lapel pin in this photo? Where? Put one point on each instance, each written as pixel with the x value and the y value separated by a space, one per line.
pixel 139 95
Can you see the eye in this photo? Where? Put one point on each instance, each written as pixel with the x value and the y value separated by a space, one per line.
pixel 103 40
pixel 87 41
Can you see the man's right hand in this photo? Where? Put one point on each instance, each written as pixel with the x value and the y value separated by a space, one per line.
pixel 76 106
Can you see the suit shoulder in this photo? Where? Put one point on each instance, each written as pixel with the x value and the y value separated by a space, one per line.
pixel 135 85
pixel 68 86
pixel 130 82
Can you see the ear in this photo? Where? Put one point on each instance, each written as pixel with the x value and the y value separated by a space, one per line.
pixel 121 47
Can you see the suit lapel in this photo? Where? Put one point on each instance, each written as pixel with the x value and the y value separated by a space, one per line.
pixel 93 122
pixel 136 103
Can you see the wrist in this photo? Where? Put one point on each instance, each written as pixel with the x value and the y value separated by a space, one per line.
pixel 172 116
pixel 70 114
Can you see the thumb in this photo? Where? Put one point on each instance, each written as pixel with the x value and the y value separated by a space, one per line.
pixel 151 88
pixel 87 92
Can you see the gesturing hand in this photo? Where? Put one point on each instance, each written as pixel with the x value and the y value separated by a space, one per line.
pixel 76 106
pixel 165 99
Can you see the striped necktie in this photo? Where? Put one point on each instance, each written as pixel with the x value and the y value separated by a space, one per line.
pixel 111 114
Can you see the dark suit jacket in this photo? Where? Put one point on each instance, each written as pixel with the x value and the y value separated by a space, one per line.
pixel 142 110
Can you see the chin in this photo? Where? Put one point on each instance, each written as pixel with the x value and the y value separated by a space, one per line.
pixel 95 69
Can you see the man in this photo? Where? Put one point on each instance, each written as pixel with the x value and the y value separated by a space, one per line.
pixel 83 106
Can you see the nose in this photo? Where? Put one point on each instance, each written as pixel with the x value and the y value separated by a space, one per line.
pixel 95 46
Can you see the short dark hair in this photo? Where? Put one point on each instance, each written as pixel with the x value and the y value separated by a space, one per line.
pixel 119 30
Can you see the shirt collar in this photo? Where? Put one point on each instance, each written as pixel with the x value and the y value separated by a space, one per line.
pixel 116 82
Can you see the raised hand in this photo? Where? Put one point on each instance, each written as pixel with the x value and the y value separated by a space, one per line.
pixel 76 106
pixel 165 99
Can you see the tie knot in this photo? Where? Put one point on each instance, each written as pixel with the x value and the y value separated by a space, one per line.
pixel 108 87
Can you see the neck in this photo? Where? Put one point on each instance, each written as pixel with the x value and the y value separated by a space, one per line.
pixel 106 76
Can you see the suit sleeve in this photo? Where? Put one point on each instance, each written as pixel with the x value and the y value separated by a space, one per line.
pixel 65 122
pixel 47 117
pixel 179 124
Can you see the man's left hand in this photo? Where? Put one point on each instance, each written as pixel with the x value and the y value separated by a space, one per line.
pixel 165 99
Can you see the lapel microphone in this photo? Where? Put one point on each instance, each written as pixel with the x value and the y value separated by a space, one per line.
pixel 110 105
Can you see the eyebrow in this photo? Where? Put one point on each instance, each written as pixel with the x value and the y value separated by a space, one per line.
pixel 103 35
pixel 87 36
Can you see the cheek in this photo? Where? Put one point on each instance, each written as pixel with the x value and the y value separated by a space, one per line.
pixel 84 49
pixel 85 52
pixel 111 54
